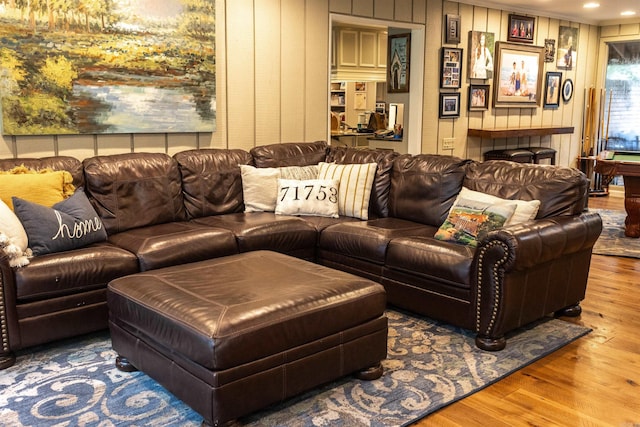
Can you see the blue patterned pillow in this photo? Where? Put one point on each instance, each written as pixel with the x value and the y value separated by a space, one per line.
pixel 69 224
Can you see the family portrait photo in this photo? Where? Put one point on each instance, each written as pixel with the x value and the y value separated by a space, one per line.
pixel 518 81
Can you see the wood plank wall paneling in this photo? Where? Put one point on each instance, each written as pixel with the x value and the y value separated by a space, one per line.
pixel 273 62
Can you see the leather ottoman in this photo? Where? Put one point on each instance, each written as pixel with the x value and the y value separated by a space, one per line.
pixel 232 335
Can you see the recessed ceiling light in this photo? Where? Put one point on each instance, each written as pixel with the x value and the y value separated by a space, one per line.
pixel 591 5
pixel 628 13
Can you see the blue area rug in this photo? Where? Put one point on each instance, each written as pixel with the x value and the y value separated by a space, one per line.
pixel 612 241
pixel 429 365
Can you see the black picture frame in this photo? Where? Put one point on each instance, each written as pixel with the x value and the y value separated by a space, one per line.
pixel 449 105
pixel 552 85
pixel 452 29
pixel 567 90
pixel 479 95
pixel 450 68
pixel 521 29
pixel 398 62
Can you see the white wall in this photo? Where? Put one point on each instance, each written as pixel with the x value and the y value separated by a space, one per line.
pixel 273 77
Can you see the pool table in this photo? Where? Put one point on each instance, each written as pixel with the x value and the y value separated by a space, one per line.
pixel 627 164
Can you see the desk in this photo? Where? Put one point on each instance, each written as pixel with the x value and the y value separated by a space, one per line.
pixel 626 164
pixel 351 139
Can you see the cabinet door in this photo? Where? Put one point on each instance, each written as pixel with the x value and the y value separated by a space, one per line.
pixel 368 49
pixel 348 48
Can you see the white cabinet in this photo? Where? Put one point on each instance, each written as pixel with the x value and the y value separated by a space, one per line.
pixel 359 54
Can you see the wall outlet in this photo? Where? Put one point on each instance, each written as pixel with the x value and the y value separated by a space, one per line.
pixel 448 143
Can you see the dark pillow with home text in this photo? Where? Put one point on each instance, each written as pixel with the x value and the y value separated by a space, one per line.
pixel 69 224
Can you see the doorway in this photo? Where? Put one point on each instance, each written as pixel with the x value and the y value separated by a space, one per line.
pixel 412 117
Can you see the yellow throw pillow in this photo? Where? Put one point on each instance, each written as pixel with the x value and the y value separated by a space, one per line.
pixel 45 187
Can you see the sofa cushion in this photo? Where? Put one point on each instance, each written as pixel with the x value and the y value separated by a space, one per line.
pixel 211 180
pixel 368 240
pixel 69 224
pixel 308 197
pixel 424 187
pixel 134 190
pixel 356 181
pixel 426 259
pixel 174 243
pixel 268 231
pixel 470 221
pixel 69 272
pixel 561 190
pixel 290 154
pixel 379 202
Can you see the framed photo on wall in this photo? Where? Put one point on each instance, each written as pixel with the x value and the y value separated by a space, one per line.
pixel 398 59
pixel 449 105
pixel 452 29
pixel 521 28
pixel 567 90
pixel 567 48
pixel 481 51
pixel 518 76
pixel 450 67
pixel 552 82
pixel 479 97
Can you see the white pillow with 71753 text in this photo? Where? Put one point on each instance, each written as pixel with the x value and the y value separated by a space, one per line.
pixel 308 197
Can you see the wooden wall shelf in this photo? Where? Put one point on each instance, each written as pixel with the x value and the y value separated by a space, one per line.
pixel 518 132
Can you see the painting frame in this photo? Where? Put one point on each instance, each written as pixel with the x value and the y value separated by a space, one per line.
pixel 398 62
pixel 567 90
pixel 481 54
pixel 451 67
pixel 479 95
pixel 449 105
pixel 90 81
pixel 452 29
pixel 567 47
pixel 514 61
pixel 552 84
pixel 521 29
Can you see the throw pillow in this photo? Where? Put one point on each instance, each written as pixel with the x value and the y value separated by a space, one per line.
pixel 260 185
pixel 470 221
pixel 308 197
pixel 526 210
pixel 45 187
pixel 70 224
pixel 13 238
pixel 356 181
pixel 299 172
pixel 259 188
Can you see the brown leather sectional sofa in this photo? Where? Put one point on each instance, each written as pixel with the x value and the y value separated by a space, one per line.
pixel 162 210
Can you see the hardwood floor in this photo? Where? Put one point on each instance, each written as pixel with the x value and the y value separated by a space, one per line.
pixel 594 381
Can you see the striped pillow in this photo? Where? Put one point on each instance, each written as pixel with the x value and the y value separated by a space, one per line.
pixel 356 181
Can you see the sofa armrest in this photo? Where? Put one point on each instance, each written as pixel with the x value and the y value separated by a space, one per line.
pixel 8 319
pixel 526 271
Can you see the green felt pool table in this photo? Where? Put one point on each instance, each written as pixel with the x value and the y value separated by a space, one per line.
pixel 627 164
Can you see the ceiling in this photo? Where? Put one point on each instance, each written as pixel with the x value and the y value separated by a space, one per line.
pixel 608 13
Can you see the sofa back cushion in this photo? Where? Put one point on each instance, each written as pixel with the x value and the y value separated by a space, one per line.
pixel 290 154
pixel 211 180
pixel 56 163
pixel 424 187
pixel 561 190
pixel 379 201
pixel 134 190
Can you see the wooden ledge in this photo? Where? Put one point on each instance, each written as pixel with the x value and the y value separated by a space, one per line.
pixel 518 132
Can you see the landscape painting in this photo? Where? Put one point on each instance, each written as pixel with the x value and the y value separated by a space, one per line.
pixel 107 66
